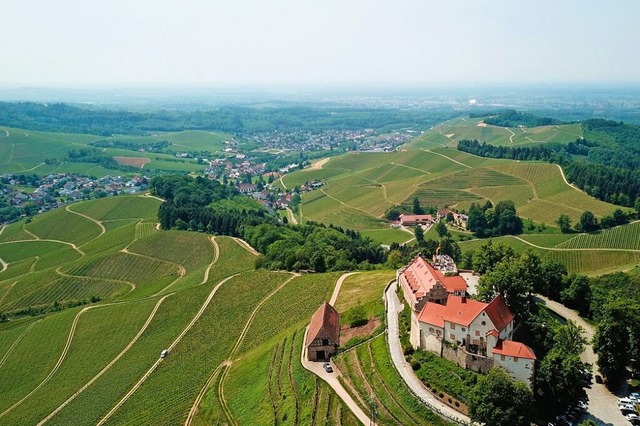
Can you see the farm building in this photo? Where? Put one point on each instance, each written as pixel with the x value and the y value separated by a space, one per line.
pixel 416 219
pixel 323 337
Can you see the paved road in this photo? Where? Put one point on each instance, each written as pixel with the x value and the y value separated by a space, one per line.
pixel 393 307
pixel 603 405
pixel 332 380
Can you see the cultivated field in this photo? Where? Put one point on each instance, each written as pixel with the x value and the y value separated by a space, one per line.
pixel 105 305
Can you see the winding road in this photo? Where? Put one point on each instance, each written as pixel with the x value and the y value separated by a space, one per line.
pixel 416 386
pixel 291 216
pixel 603 405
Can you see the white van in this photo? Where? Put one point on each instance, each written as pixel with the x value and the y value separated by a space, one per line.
pixel 164 353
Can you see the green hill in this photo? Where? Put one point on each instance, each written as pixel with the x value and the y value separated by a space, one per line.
pixel 92 304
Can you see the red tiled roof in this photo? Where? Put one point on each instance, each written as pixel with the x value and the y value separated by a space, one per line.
pixel 511 348
pixel 498 313
pixel 325 322
pixel 461 310
pixel 493 332
pixel 432 314
pixel 422 276
pixel 416 218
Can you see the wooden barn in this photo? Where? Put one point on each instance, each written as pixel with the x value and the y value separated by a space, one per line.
pixel 323 338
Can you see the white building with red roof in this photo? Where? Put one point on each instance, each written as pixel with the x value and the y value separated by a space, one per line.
pixel 472 333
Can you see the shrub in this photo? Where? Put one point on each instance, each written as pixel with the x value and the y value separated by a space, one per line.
pixel 407 350
pixel 415 365
pixel 441 395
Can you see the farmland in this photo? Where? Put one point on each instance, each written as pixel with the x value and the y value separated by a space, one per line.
pixel 26 151
pixel 195 295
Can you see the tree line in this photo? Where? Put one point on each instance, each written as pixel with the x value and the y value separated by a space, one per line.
pixel 605 164
pixel 200 204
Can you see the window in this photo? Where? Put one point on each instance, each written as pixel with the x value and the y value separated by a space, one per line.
pixel 463 329
pixel 483 323
pixel 501 357
pixel 325 342
pixel 453 326
pixel 515 359
pixel 477 332
pixel 452 336
pixel 475 342
pixel 430 329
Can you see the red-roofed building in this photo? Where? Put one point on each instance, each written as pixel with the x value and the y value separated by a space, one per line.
pixel 422 283
pixel 323 337
pixel 416 219
pixel 480 332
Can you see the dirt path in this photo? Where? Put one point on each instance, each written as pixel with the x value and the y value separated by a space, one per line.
pixel 216 255
pixel 448 158
pixel 245 245
pixel 347 205
pixel 8 291
pixel 108 366
pixel 6 133
pixel 512 134
pixel 332 379
pixel 572 249
pixel 6 355
pixel 601 401
pixel 170 348
pixel 282 182
pixel 88 277
pixel 3 228
pixel 336 289
pixel 97 222
pixel 318 164
pixel 63 355
pixel 152 196
pixel 228 362
pixel 564 178
pixel 291 216
pixel 409 167
pixel 36 238
pixel 4 265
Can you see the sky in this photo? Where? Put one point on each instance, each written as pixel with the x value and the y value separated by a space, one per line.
pixel 85 43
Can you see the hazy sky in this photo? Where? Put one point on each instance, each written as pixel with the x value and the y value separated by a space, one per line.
pixel 216 42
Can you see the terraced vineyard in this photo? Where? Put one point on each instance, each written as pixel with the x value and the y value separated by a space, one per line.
pixel 105 308
pixel 620 237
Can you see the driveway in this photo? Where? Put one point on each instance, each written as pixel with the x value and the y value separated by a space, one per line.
pixel 603 405
pixel 332 380
pixel 416 386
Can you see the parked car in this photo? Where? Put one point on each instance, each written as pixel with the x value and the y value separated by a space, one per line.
pixel 635 397
pixel 628 409
pixel 563 421
pixel 164 353
pixel 327 367
pixel 583 405
pixel 624 401
pixel 631 417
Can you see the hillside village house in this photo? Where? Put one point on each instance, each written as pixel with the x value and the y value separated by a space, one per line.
pixel 473 334
pixel 323 337
pixel 416 219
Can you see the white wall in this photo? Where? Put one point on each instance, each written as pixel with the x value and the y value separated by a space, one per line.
pixel 521 370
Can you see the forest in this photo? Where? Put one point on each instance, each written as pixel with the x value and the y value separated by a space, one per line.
pixel 513 118
pixel 203 205
pixel 60 117
pixel 605 164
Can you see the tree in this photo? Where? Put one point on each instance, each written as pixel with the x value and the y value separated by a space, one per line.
pixel 564 222
pixel 393 213
pixel 636 205
pixel 441 229
pixel 419 233
pixel 569 339
pixel 578 295
pixel 417 209
pixel 489 255
pixel 560 381
pixel 513 279
pixel 610 343
pixel 551 281
pixel 587 223
pixel 497 400
pixel 450 217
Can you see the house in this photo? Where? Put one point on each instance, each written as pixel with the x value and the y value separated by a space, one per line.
pixel 423 283
pixel 416 219
pixel 471 333
pixel 323 337
pixel 246 188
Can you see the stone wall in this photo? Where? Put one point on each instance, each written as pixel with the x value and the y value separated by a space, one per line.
pixel 466 360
